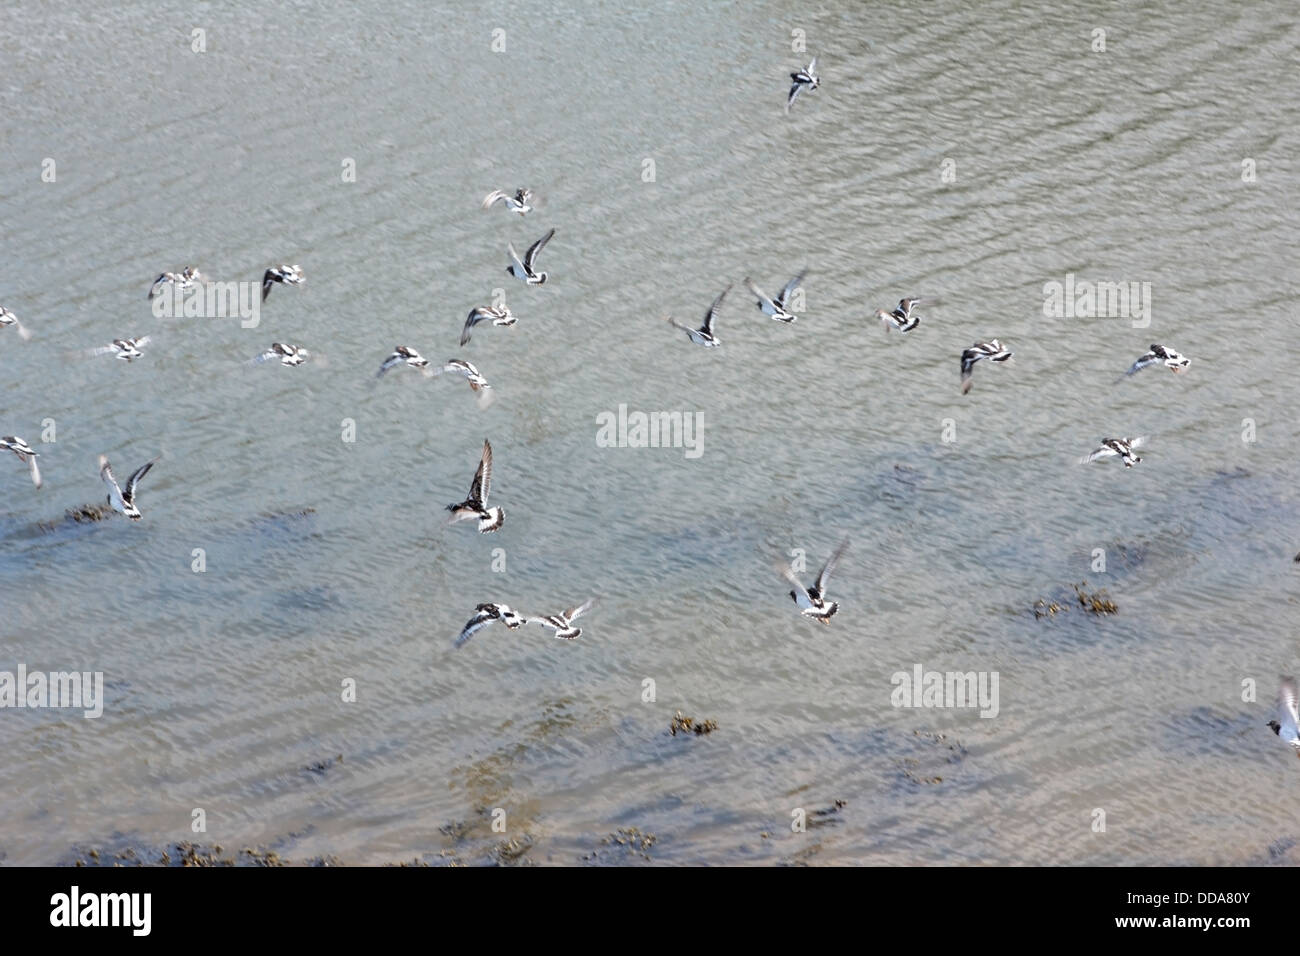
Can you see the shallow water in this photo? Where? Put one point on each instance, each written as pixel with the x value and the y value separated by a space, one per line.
pixel 329 560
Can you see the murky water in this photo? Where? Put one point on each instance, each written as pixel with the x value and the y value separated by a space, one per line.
pixel 969 153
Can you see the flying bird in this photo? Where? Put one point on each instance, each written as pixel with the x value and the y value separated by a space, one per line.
pixel 404 355
pixel 516 203
pixel 484 615
pixel 287 354
pixel 285 275
pixel 1160 355
pixel 7 318
pixel 525 270
pixel 804 78
pixel 991 350
pixel 25 454
pixel 119 500
pixel 778 308
pixel 812 600
pixel 1288 728
pixel 475 506
pixel 185 279
pixel 704 334
pixel 562 623
pixel 125 349
pixel 499 316
pixel 900 318
pixel 1110 447
pixel 465 369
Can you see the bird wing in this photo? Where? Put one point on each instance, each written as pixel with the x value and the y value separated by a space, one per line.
pixel 394 359
pixel 473 626
pixel 129 494
pixel 767 305
pixel 825 574
pixel 789 289
pixel 517 267
pixel 968 359
pixel 1105 451
pixel 788 574
pixel 478 491
pixel 574 613
pixel 713 311
pixel 114 492
pixel 493 197
pixel 1149 359
pixel 531 255
pixel 476 315
pixel 1288 701
pixel 452 366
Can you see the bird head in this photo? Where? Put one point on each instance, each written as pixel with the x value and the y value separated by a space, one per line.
pixel 1274 726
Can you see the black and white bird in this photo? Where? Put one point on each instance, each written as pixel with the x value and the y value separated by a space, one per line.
pixel 484 615
pixel 562 623
pixel 805 78
pixel 1288 709
pixel 25 454
pixel 499 315
pixel 184 280
pixel 7 319
pixel 778 308
pixel 812 600
pixel 287 354
pixel 704 334
pixel 466 369
pixel 525 269
pixel 991 350
pixel 516 203
pixel 1111 447
pixel 901 318
pixel 404 355
pixel 475 506
pixel 125 349
pixel 285 275
pixel 119 499
pixel 1160 355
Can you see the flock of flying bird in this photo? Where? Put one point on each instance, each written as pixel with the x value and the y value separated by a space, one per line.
pixel 475 506
pixel 811 600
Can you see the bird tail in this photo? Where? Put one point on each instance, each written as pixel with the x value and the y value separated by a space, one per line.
pixel 491 519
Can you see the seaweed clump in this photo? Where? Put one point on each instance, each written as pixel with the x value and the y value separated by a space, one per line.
pixel 86 514
pixel 686 725
pixel 1096 602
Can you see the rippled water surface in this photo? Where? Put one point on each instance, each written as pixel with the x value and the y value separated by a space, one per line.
pixel 329 561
